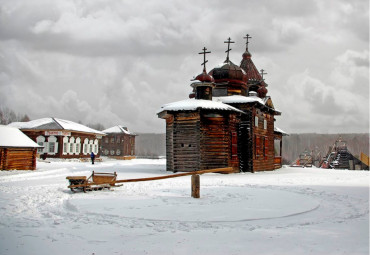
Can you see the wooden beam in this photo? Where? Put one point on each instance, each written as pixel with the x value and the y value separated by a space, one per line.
pixel 195 186
pixel 215 170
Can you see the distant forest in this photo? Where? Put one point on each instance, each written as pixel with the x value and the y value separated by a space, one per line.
pixel 294 144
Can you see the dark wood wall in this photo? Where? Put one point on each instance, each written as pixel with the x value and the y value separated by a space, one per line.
pixel 186 141
pixel 263 141
pixel 215 141
pixel 17 158
pixel 201 140
pixel 123 142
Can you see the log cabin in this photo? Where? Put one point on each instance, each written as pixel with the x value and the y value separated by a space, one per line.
pixel 227 122
pixel 119 143
pixel 17 151
pixel 62 138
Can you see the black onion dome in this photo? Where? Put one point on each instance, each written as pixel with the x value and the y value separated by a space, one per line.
pixel 228 71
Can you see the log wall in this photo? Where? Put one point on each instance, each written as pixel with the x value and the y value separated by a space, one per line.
pixel 263 140
pixel 260 140
pixel 215 141
pixel 185 142
pixel 17 159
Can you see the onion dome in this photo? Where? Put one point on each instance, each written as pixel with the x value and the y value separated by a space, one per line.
pixel 228 71
pixel 204 77
pixel 262 91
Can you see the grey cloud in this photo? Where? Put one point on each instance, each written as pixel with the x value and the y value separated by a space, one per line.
pixel 117 62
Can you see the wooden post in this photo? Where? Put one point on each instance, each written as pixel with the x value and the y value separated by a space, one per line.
pixel 195 185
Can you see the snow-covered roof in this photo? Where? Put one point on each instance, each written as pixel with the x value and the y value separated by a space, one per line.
pixel 118 130
pixel 234 99
pixel 54 124
pixel 194 104
pixel 278 130
pixel 13 137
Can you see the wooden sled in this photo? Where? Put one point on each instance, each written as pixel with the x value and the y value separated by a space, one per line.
pixel 97 181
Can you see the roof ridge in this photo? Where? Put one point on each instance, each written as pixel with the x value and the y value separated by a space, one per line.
pixel 54 119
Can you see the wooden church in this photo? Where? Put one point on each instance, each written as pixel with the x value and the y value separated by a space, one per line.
pixel 228 121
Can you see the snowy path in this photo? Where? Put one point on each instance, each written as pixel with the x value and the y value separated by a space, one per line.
pixel 288 211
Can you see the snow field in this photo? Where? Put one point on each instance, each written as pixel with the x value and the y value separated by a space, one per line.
pixel 287 211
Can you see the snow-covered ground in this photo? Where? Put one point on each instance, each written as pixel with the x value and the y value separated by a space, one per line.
pixel 287 211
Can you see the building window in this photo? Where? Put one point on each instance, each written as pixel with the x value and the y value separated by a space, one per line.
pixel 264 124
pixel 78 145
pixel 112 140
pixel 71 145
pixel 51 147
pixel 257 147
pixel 106 152
pixel 118 152
pixel 112 152
pixel 265 147
pixel 65 145
pixel 40 141
pixel 96 147
pixel 256 121
pixel 85 148
pixel 106 140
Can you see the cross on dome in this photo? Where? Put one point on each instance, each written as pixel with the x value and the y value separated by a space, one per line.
pixel 247 37
pixel 262 73
pixel 228 48
pixel 204 58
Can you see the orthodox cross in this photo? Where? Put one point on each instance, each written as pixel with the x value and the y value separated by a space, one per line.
pixel 247 37
pixel 262 73
pixel 228 48
pixel 204 58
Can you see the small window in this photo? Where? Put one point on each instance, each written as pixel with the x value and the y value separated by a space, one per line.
pixel 112 140
pixel 112 152
pixel 51 147
pixel 256 121
pixel 78 148
pixel 264 124
pixel 118 152
pixel 40 150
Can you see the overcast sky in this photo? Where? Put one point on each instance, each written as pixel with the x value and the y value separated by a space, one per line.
pixel 116 62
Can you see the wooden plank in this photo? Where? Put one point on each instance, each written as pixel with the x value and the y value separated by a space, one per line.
pixel 215 170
